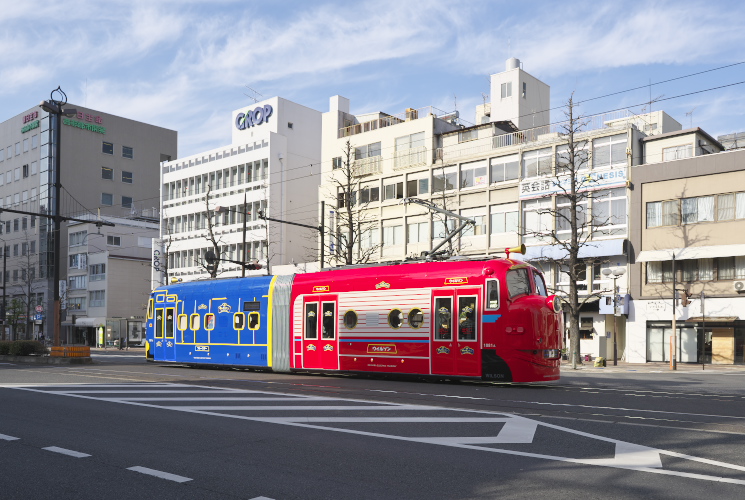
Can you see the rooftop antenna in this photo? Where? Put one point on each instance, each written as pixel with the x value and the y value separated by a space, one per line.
pixel 690 113
pixel 484 97
pixel 254 94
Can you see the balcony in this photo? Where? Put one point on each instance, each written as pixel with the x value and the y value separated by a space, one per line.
pixel 616 120
pixel 368 166
pixel 409 158
pixel 388 120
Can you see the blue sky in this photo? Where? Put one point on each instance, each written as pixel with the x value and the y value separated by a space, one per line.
pixel 186 64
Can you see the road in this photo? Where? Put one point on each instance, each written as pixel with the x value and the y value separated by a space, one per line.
pixel 124 428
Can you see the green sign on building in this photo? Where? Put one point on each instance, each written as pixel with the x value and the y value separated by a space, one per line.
pixel 85 126
pixel 34 124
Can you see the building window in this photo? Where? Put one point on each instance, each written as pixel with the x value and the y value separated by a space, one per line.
pixel 416 187
pixel 78 282
pixel 563 216
pixel 127 177
pixel 700 209
pixel 663 213
pixel 506 168
pixel 609 151
pixel 504 222
pixel 33 168
pixel 525 90
pixel 536 219
pixel 107 199
pixel 115 241
pixel 478 229
pixel 24 223
pixel 418 232
pixel 25 171
pixel 473 174
pixel 107 148
pixel 468 135
pixel 506 90
pixel 17 174
pixel 537 162
pixel 440 229
pixel 16 225
pixel 15 250
pixel 18 148
pixel 78 261
pixel 34 141
pixel 660 272
pixel 564 163
pixel 289 125
pixel 444 179
pixel 369 237
pixel 76 303
pixel 677 152
pixel 126 202
pixel 78 238
pixel 369 194
pixel 32 249
pixel 394 190
pixel 107 173
pixel 15 274
pixel 97 272
pixel 609 212
pixel 393 235
pixel 367 151
pixel 410 141
pixel 336 163
pixel 25 145
pixel 127 152
pixel 97 298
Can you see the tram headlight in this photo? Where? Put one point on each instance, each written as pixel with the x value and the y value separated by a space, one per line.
pixel 554 302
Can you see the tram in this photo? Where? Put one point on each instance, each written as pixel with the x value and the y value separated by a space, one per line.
pixel 488 319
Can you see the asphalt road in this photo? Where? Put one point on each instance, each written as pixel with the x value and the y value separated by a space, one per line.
pixel 123 428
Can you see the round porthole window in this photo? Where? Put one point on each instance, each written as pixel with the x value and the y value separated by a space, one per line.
pixel 395 318
pixel 350 319
pixel 416 318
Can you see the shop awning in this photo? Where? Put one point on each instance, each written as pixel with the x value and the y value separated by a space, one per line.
pixel 713 319
pixel 707 252
pixel 601 248
pixel 90 321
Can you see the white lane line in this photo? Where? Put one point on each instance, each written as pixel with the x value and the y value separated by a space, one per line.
pixel 160 474
pixel 261 498
pixel 5 437
pixel 146 391
pixel 67 452
pixel 625 409
pixel 292 398
pixel 293 408
pixel 388 420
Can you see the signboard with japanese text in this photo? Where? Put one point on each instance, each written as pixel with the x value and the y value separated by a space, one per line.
pixel 590 181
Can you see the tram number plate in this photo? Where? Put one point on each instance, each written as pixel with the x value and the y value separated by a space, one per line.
pixel 203 348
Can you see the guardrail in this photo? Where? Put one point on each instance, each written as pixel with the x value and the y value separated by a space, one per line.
pixel 71 351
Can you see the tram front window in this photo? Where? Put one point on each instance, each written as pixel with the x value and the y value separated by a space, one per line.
pixel 466 318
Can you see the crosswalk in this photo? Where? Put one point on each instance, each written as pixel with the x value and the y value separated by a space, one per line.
pixel 477 430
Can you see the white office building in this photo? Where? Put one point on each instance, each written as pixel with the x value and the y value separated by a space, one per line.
pixel 272 163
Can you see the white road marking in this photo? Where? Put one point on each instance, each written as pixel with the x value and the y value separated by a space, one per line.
pixel 261 498
pixel 5 437
pixel 517 429
pixel 624 409
pixel 160 474
pixel 157 391
pixel 65 451
pixel 290 398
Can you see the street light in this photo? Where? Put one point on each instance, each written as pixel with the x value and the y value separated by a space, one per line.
pixel 617 273
pixel 55 106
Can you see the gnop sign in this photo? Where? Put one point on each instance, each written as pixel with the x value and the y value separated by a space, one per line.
pixel 250 118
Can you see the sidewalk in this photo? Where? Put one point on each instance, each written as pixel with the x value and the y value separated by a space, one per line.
pixel 654 367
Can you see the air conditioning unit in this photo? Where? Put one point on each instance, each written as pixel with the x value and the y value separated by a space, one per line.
pixel 739 286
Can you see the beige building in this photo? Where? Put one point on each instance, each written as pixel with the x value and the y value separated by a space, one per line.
pixel 108 281
pixel 692 209
pixel 108 164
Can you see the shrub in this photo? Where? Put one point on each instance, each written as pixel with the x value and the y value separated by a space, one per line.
pixel 4 347
pixel 26 348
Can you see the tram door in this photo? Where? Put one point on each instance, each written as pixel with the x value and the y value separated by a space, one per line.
pixel 320 332
pixel 455 332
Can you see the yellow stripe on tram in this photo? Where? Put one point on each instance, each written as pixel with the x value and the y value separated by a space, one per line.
pixel 269 336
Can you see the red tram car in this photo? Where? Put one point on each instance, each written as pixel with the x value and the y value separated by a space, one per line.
pixel 492 320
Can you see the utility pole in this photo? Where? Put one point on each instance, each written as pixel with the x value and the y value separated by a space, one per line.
pixel 673 360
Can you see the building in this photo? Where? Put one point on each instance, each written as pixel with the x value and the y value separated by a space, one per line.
pixel 108 281
pixel 502 173
pixel 273 164
pixel 691 209
pixel 109 164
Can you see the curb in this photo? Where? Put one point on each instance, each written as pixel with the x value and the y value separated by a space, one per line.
pixel 46 360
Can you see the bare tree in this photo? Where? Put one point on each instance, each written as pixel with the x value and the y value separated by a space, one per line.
pixel 570 228
pixel 29 283
pixel 353 220
pixel 211 221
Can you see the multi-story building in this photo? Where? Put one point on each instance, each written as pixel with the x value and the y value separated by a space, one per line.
pixel 108 164
pixel 273 165
pixel 108 280
pixel 690 209
pixel 503 174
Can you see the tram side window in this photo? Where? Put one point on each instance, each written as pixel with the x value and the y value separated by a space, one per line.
pixel 209 321
pixel 239 321
pixel 183 322
pixel 466 318
pixel 311 321
pixel 170 320
pixel 350 319
pixel 194 322
pixel 150 305
pixel 416 318
pixel 329 320
pixel 159 323
pixel 253 321
pixel 492 294
pixel 395 318
pixel 443 308
pixel 518 282
pixel 540 285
